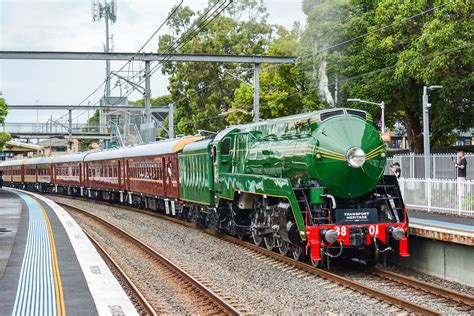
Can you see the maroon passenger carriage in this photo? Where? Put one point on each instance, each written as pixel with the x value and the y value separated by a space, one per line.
pixel 68 174
pixel 144 176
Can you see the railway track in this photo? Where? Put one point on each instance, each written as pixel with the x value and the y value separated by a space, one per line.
pixel 465 302
pixel 206 300
pixel 141 303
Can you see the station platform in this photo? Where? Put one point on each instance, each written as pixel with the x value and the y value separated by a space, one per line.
pixel 48 266
pixel 442 227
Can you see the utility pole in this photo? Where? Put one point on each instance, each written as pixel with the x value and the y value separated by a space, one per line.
pixel 149 130
pixel 256 93
pixel 108 11
pixel 426 129
pixel 171 121
pixel 70 129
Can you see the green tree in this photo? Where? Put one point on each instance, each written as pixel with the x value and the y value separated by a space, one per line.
pixel 92 121
pixel 393 63
pixel 284 89
pixel 4 137
pixel 201 91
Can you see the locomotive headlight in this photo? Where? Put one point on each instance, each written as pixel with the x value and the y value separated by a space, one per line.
pixel 355 157
pixel 398 233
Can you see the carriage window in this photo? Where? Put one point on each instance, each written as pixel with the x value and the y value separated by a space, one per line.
pixel 225 147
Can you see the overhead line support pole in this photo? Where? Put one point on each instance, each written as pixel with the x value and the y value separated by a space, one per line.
pixel 256 93
pixel 148 102
pixel 70 129
pixel 171 121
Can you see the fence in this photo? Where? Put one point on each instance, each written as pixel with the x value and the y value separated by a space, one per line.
pixel 443 196
pixel 442 166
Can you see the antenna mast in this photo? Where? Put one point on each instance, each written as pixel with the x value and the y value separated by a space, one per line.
pixel 108 11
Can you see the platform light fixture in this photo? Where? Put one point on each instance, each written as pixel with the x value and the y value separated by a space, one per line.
pixel 381 105
pixel 426 128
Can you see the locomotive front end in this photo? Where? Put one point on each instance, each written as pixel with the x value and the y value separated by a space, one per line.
pixel 354 208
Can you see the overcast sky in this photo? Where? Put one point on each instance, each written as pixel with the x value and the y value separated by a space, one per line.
pixel 66 25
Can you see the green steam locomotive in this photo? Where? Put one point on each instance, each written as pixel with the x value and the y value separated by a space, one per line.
pixel 312 183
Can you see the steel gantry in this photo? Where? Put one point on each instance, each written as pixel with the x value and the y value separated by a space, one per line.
pixel 158 57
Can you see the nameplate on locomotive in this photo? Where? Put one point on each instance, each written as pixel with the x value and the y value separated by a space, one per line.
pixel 356 216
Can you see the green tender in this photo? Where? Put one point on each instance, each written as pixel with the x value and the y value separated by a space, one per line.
pixel 195 173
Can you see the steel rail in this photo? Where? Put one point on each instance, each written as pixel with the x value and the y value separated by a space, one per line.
pixel 226 307
pixel 399 302
pixel 149 310
pixel 424 286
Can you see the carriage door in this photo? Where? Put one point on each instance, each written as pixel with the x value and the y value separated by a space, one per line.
pixel 222 160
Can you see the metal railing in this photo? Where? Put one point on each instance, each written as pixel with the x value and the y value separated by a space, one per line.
pixel 441 196
pixel 442 166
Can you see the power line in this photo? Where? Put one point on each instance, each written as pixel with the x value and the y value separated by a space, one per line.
pixel 446 51
pixel 133 57
pixel 205 19
pixel 348 41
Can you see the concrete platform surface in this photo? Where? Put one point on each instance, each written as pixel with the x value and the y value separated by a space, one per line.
pixel 51 268
pixel 442 227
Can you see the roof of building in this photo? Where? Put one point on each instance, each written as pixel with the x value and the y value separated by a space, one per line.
pixel 54 142
pixel 23 146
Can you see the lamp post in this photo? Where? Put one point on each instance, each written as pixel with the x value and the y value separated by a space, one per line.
pixel 426 129
pixel 381 105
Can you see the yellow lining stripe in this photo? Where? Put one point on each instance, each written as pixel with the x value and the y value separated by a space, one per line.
pixel 334 158
pixel 375 149
pixel 331 152
pixel 375 154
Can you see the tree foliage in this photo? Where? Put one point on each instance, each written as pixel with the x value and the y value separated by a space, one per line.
pixel 4 137
pixel 201 91
pixel 284 89
pixel 84 144
pixel 393 63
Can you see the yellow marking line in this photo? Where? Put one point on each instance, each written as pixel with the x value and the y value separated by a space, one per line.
pixel 60 306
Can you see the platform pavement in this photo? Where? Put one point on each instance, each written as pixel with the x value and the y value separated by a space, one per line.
pixel 443 227
pixel 50 267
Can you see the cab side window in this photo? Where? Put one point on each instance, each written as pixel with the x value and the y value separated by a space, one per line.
pixel 225 147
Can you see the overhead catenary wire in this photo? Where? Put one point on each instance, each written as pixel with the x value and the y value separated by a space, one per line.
pixel 299 58
pixel 446 51
pixel 205 19
pixel 130 60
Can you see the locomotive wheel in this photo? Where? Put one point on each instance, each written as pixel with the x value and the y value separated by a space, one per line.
pixel 297 252
pixel 257 240
pixel 256 220
pixel 284 248
pixel 268 242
